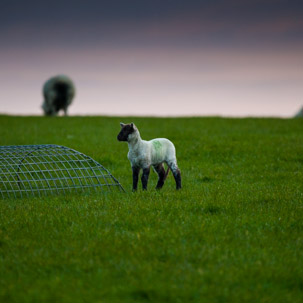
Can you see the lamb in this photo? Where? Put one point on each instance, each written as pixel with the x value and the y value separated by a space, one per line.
pixel 58 92
pixel 144 154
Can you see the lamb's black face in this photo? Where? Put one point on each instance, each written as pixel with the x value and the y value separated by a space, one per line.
pixel 125 131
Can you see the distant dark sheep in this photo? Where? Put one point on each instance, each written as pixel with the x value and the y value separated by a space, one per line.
pixel 299 113
pixel 58 93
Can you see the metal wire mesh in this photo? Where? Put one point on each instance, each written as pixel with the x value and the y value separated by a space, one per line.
pixel 38 170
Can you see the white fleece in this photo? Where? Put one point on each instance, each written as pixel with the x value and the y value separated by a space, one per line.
pixel 144 153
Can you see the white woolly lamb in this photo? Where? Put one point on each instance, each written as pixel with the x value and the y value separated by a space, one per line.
pixel 144 154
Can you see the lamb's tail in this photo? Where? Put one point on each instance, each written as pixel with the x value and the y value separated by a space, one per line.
pixel 166 173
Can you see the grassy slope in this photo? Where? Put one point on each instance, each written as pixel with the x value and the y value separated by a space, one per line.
pixel 234 233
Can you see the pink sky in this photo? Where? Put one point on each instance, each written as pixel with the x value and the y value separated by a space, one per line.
pixel 158 82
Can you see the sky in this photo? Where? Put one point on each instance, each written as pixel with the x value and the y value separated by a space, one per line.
pixel 155 58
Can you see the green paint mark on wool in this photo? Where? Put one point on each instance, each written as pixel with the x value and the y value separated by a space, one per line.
pixel 157 145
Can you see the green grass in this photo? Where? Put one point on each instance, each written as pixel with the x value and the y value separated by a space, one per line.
pixel 234 233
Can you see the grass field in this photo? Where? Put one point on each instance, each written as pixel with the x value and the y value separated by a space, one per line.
pixel 234 233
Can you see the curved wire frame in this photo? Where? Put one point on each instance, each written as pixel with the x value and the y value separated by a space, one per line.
pixel 39 170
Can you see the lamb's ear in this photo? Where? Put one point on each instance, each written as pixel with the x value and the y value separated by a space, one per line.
pixel 122 124
pixel 133 126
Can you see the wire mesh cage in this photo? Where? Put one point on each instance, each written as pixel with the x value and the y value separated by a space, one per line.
pixel 39 170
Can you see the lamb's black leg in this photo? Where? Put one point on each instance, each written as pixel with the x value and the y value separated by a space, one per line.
pixel 136 171
pixel 161 175
pixel 144 177
pixel 177 176
pixel 176 172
